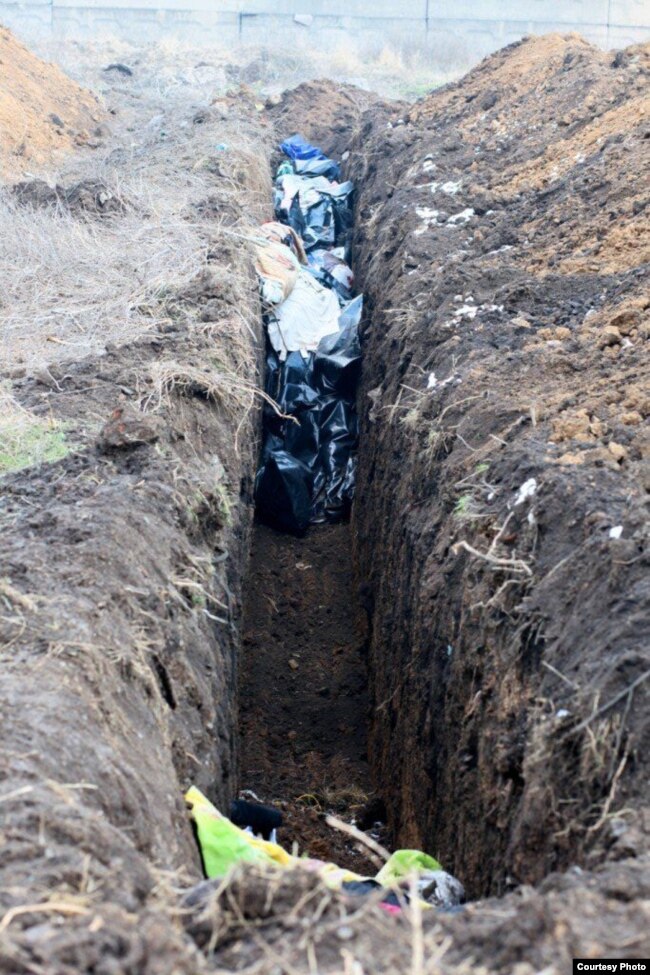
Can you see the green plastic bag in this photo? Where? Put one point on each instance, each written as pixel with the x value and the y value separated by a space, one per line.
pixel 404 862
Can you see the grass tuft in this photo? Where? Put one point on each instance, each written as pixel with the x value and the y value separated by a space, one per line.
pixel 27 440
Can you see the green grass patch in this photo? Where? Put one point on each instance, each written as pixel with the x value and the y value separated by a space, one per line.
pixel 27 440
pixel 463 505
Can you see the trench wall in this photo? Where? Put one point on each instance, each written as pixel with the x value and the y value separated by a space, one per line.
pixel 457 34
pixel 121 572
pixel 486 738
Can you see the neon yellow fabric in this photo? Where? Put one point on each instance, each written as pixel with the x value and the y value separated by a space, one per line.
pixel 404 862
pixel 223 845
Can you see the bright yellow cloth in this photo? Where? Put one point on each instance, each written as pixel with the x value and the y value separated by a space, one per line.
pixel 223 845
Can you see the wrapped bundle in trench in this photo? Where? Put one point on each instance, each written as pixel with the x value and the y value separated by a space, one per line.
pixel 307 471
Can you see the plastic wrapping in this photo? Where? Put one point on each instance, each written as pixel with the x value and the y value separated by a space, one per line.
pixel 309 313
pixel 308 464
pixel 309 159
pixel 318 209
pixel 332 271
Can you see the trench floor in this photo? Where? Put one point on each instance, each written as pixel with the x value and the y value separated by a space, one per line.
pixel 303 692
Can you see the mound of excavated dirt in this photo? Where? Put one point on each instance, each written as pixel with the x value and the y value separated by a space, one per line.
pixel 120 582
pixel 326 111
pixel 503 245
pixel 43 114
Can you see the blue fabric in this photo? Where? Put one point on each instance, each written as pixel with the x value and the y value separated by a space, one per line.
pixel 296 147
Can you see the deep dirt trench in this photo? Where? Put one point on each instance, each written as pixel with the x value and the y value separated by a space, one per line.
pixel 507 707
pixel 303 708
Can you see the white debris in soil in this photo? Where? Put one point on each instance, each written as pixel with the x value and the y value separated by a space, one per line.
pixel 450 187
pixel 616 532
pixel 527 490
pixel 458 219
pixel 428 165
pixel 468 311
pixel 434 383
pixel 428 216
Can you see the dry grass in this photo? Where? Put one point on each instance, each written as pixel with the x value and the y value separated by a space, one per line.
pixel 72 281
pixel 80 282
pixel 235 394
pixel 401 69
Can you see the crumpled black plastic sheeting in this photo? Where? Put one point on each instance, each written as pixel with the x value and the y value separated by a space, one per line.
pixel 308 468
pixel 309 459
pixel 327 223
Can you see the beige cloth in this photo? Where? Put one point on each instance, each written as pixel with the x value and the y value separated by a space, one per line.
pixel 279 255
pixel 280 233
pixel 309 314
pixel 277 267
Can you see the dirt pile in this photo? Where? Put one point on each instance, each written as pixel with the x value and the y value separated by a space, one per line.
pixel 43 114
pixel 502 228
pixel 327 111
pixel 120 588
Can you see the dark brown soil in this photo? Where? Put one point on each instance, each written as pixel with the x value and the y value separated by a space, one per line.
pixel 303 695
pixel 509 347
pixel 325 112
pixel 121 573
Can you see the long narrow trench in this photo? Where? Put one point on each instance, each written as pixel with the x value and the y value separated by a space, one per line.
pixel 303 684
pixel 303 695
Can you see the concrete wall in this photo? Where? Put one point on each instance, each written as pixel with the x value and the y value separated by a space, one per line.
pixel 458 31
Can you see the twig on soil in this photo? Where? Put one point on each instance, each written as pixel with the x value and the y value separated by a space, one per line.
pixel 17 597
pixel 395 406
pixel 504 443
pixel 610 798
pixel 559 565
pixel 559 674
pixel 515 565
pixel 492 601
pixel 461 402
pixel 51 907
pixel 464 443
pixel 16 793
pixel 382 854
pixel 610 704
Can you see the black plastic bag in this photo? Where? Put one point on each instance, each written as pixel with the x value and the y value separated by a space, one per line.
pixel 284 492
pixel 336 363
pixel 319 438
